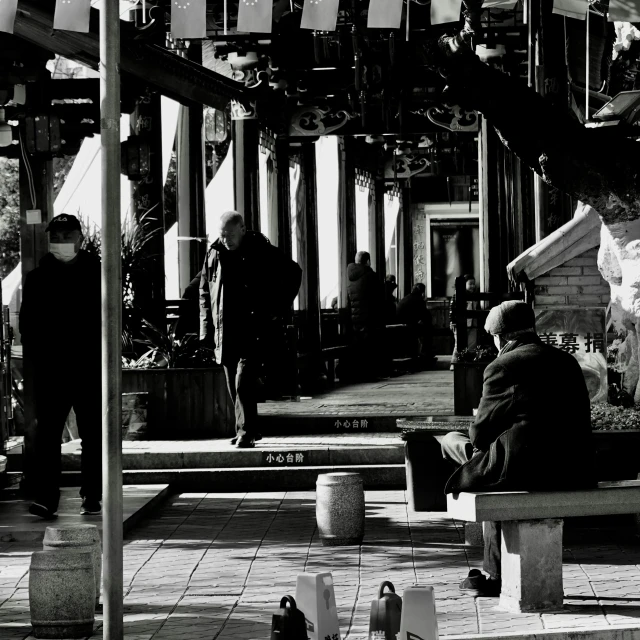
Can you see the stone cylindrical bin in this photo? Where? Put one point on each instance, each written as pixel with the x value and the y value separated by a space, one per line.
pixel 62 594
pixel 83 537
pixel 340 508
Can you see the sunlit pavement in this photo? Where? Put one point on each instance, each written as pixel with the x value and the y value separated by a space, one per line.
pixel 211 566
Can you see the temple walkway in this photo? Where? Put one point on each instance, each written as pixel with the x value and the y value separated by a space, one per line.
pixel 214 566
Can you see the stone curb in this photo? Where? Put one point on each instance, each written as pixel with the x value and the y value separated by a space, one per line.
pixel 590 633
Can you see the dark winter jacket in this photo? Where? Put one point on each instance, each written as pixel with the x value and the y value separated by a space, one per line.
pixel 533 428
pixel 60 316
pixel 244 294
pixel 412 309
pixel 366 297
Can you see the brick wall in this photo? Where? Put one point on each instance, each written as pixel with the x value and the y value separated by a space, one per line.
pixel 575 283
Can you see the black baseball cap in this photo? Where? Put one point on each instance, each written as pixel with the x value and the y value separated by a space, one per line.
pixel 64 222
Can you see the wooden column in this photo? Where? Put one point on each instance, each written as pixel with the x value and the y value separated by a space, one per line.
pixel 246 142
pixel 346 214
pixel 34 245
pixel 404 240
pixel 376 231
pixel 311 271
pixel 284 196
pixel 190 186
pixel 147 204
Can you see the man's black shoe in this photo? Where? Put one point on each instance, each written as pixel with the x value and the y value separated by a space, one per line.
pixel 42 511
pixel 90 507
pixel 245 443
pixel 257 437
pixel 478 585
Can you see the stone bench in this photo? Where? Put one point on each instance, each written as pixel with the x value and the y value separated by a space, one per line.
pixel 531 524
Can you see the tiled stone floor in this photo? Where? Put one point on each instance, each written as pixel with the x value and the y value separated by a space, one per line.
pixel 214 566
pixel 423 393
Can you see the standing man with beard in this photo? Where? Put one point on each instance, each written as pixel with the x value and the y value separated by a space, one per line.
pixel 60 321
pixel 247 285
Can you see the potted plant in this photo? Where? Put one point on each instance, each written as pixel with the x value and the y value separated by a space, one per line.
pixel 616 433
pixel 186 390
pixel 468 371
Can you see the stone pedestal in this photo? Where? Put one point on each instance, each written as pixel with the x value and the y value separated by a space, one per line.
pixel 531 565
pixel 62 594
pixel 83 537
pixel 340 508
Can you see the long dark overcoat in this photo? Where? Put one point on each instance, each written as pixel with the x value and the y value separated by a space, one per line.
pixel 533 427
pixel 270 282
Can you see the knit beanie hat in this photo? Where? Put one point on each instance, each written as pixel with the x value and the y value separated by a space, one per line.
pixel 510 316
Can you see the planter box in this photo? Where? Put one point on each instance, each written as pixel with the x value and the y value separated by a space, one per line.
pixel 617 454
pixel 467 386
pixel 184 403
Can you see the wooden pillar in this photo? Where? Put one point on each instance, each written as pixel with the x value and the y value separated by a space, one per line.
pixel 376 230
pixel 404 241
pixel 490 209
pixel 311 271
pixel 246 142
pixel 147 204
pixel 190 186
pixel 34 245
pixel 284 196
pixel 346 214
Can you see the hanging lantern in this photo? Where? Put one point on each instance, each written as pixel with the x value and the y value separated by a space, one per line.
pixel 215 125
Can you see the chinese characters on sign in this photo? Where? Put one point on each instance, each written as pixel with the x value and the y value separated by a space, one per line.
pixel 592 343
pixel 582 333
pixel 352 424
pixel 282 458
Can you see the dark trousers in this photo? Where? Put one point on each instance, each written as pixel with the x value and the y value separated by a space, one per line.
pixel 56 393
pixel 457 449
pixel 242 382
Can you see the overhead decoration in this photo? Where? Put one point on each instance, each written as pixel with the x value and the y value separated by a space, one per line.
pixel 255 16
pixel 454 118
pixel 385 14
pixel 499 4
pixel 188 19
pixel 576 9
pixel 317 121
pixel 321 15
pixel 71 15
pixel 405 166
pixel 443 11
pixel 8 10
pixel 624 11
pixel 240 111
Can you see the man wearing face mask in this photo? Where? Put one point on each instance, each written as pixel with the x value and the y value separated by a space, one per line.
pixel 60 320
pixel 532 431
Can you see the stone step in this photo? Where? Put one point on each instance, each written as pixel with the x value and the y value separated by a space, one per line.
pixel 336 420
pixel 18 525
pixel 379 476
pixel 229 457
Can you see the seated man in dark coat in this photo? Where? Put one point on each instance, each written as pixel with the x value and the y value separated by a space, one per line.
pixel 532 431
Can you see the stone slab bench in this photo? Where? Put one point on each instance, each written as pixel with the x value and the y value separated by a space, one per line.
pixel 531 531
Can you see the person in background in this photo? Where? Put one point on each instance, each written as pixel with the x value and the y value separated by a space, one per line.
pixel 390 301
pixel 532 431
pixel 366 301
pixel 472 323
pixel 413 312
pixel 60 321
pixel 247 286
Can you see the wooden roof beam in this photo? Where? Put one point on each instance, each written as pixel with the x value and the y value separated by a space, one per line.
pixel 175 77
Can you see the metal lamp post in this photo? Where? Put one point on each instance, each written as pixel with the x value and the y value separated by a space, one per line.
pixel 111 319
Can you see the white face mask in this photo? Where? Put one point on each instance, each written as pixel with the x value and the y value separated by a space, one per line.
pixel 63 251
